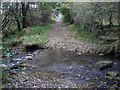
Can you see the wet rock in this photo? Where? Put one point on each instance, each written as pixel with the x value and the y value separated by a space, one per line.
pixel 87 78
pixel 79 53
pixel 16 53
pixel 117 81
pixel 112 74
pixel 13 71
pixel 101 54
pixel 102 65
pixel 36 52
pixel 101 85
pixel 18 59
pixel 29 57
pixel 17 65
pixel 3 66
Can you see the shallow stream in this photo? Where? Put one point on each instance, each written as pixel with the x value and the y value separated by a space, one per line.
pixel 60 68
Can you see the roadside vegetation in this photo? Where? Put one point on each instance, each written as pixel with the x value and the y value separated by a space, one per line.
pixel 83 35
pixel 96 25
pixel 31 35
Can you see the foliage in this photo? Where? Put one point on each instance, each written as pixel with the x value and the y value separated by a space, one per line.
pixel 6 53
pixel 66 12
pixel 47 6
pixel 11 12
pixel 53 18
pixel 91 16
pixel 83 35
pixel 30 35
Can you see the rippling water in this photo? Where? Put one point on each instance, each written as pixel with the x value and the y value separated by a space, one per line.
pixel 80 69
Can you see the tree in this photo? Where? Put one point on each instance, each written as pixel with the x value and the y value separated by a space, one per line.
pixel 11 11
pixel 17 11
pixel 25 7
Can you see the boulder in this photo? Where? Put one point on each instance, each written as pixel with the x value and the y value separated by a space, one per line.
pixel 102 65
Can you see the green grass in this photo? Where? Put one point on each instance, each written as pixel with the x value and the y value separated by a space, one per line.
pixel 31 35
pixel 13 37
pixel 83 35
pixel 53 18
pixel 102 46
pixel 36 35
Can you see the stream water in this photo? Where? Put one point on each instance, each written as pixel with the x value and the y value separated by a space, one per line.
pixel 60 68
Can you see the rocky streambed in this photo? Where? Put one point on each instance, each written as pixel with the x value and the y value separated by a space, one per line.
pixel 56 68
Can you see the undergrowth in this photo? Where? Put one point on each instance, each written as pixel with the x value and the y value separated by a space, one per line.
pixel 30 35
pixel 83 35
pixel 102 46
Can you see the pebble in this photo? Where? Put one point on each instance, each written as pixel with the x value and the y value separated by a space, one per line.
pixel 87 78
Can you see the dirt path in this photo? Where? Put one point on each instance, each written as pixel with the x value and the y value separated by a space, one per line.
pixel 61 37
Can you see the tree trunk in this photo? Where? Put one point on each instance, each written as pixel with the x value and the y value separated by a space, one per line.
pixel 110 20
pixel 18 24
pixel 24 14
pixel 17 20
pixel 100 19
pixel 71 21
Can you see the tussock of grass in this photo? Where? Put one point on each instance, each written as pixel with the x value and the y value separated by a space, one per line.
pixel 31 35
pixel 83 35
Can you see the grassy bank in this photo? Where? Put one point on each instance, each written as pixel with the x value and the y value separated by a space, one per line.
pixel 102 46
pixel 30 35
pixel 83 35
